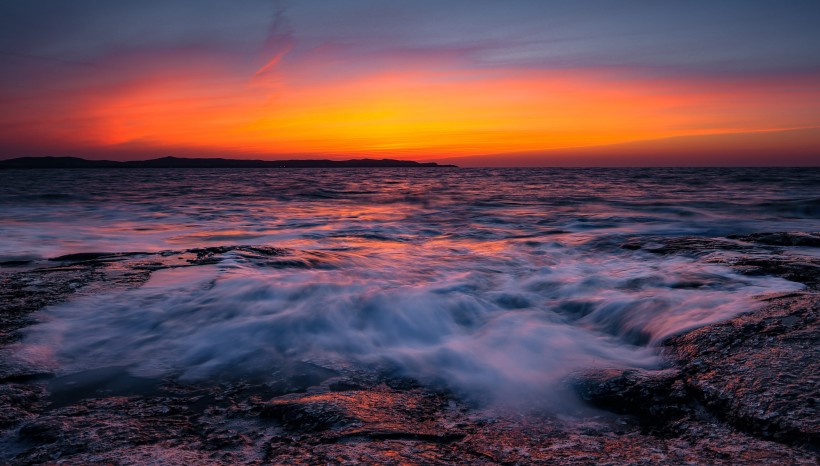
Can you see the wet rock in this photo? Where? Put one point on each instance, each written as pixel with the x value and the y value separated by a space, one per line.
pixel 96 256
pixel 738 243
pixel 20 402
pixel 22 293
pixel 380 412
pixel 760 372
pixel 685 244
pixel 376 425
pixel 803 270
pixel 15 263
pixel 344 386
pixel 656 397
pixel 739 392
pixel 782 239
pixel 99 426
pixel 757 254
pixel 212 255
pixel 308 414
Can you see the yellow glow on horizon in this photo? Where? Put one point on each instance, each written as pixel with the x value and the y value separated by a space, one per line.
pixel 417 114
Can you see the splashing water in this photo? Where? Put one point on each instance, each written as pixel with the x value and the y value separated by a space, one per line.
pixel 496 284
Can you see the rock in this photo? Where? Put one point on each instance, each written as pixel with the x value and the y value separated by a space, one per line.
pixel 96 256
pixel 802 270
pixel 655 397
pixel 20 402
pixel 737 392
pixel 685 244
pixel 745 253
pixel 782 239
pixel 378 413
pixel 760 372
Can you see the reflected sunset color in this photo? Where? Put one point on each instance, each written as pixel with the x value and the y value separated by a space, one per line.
pixel 497 294
pixel 409 232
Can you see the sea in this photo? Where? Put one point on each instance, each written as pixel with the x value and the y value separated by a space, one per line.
pixel 494 284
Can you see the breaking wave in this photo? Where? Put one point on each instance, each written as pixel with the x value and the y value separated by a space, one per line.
pixel 510 326
pixel 493 283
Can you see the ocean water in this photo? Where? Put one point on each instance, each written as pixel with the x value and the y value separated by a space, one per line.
pixel 494 283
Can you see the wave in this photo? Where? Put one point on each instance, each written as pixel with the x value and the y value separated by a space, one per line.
pixel 490 328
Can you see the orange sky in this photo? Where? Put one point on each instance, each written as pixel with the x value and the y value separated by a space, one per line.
pixel 420 113
pixel 425 104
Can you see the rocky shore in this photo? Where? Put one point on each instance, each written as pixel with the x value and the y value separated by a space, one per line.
pixel 744 391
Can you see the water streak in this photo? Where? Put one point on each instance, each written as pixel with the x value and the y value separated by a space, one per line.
pixel 494 283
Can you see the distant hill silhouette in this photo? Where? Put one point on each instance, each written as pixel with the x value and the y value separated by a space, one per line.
pixel 177 162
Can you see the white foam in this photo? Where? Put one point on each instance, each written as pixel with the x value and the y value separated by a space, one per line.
pixel 508 325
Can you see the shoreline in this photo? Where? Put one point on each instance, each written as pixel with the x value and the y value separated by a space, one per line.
pixel 738 391
pixel 65 163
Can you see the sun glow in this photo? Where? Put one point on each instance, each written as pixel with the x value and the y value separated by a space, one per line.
pixel 419 113
pixel 407 108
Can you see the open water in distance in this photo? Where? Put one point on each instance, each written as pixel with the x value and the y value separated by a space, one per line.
pixel 496 283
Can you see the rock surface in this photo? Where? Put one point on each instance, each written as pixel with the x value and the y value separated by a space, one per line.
pixel 743 391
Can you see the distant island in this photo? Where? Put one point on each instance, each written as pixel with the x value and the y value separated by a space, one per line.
pixel 178 162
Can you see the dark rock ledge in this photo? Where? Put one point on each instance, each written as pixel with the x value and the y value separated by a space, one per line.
pixel 743 391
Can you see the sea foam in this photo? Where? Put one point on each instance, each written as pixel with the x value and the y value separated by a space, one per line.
pixel 511 325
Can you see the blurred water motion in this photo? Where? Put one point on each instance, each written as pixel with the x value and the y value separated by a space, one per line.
pixel 496 283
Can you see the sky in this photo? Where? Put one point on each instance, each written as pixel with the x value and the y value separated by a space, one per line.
pixel 472 82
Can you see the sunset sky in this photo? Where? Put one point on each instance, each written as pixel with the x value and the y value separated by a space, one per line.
pixel 474 82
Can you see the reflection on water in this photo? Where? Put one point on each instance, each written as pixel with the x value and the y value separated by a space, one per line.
pixel 48 213
pixel 495 283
